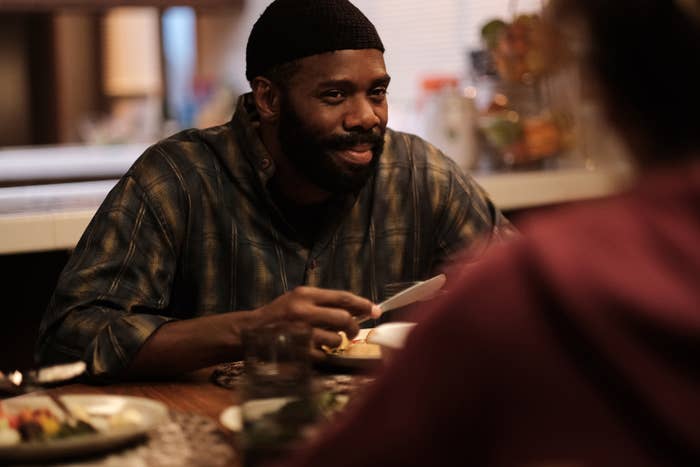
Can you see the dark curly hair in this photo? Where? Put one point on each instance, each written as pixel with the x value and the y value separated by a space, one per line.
pixel 644 55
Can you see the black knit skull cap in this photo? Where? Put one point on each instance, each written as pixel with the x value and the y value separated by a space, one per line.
pixel 292 29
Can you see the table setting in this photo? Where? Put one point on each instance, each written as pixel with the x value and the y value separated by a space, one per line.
pixel 236 413
pixel 154 436
pixel 48 416
pixel 196 421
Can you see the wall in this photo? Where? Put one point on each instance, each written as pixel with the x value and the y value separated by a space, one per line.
pixel 14 92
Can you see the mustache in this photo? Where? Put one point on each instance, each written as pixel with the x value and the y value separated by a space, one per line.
pixel 355 138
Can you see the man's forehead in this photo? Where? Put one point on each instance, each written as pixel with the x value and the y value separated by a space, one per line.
pixel 343 64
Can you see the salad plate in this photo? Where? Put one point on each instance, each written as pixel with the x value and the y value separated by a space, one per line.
pixel 34 429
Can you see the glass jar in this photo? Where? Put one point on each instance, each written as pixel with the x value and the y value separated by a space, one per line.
pixel 518 121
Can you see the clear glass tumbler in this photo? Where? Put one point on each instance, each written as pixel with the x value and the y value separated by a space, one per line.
pixel 278 403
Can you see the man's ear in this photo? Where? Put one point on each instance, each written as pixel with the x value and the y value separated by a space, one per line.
pixel 267 99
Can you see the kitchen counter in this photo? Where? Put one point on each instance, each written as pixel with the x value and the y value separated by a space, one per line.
pixel 53 216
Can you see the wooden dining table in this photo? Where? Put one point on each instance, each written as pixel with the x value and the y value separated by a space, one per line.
pixel 195 393
pixel 191 393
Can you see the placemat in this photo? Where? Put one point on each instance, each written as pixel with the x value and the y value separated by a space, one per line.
pixel 185 440
pixel 229 375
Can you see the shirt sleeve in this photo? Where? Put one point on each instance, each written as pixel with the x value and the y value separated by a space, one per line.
pixel 117 282
pixel 470 222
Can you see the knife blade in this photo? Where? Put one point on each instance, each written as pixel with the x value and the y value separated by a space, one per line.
pixel 420 291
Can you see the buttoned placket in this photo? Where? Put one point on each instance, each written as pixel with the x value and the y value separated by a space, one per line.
pixel 313 271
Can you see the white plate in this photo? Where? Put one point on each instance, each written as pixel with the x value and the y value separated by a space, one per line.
pixel 232 418
pixel 98 408
pixel 391 335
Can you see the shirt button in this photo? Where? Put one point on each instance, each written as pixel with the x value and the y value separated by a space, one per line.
pixel 265 163
pixel 313 264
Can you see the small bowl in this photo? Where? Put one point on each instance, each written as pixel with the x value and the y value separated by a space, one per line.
pixel 390 337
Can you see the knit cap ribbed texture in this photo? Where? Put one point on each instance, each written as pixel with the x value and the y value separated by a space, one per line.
pixel 292 29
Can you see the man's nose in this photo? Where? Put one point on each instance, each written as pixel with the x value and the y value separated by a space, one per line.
pixel 362 114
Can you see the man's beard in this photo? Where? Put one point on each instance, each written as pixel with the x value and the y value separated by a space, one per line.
pixel 314 157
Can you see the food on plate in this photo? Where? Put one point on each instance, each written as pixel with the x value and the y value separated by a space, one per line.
pixel 330 404
pixel 39 424
pixel 357 348
pixel 342 347
pixel 28 424
pixel 363 350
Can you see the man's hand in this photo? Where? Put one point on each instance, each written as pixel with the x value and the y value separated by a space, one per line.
pixel 213 339
pixel 327 311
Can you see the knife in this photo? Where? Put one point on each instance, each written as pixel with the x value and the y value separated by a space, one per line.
pixel 420 291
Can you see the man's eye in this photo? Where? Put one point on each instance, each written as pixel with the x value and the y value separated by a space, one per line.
pixel 378 93
pixel 334 96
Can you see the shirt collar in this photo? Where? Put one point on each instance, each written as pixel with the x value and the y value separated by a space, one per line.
pixel 246 123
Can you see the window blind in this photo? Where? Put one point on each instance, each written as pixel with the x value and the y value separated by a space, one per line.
pixel 427 38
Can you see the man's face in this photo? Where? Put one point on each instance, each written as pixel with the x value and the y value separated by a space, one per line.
pixel 333 116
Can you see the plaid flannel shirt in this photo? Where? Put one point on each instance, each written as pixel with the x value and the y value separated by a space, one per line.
pixel 191 230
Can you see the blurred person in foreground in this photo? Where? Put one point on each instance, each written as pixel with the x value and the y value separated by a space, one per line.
pixel 303 207
pixel 589 355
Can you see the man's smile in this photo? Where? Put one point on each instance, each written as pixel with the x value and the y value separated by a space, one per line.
pixel 360 154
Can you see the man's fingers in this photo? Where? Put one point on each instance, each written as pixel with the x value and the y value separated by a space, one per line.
pixel 317 354
pixel 353 304
pixel 332 319
pixel 322 337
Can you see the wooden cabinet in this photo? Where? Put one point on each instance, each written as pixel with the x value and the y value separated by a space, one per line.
pixel 52 5
pixel 50 74
pixel 53 78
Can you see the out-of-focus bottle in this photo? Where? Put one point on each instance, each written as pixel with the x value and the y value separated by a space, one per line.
pixel 449 116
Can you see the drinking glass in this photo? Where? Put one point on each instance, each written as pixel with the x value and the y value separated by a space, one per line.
pixel 278 404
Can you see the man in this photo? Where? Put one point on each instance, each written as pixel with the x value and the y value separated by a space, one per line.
pixel 303 207
pixel 588 354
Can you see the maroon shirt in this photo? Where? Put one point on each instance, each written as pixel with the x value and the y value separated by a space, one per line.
pixel 577 345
